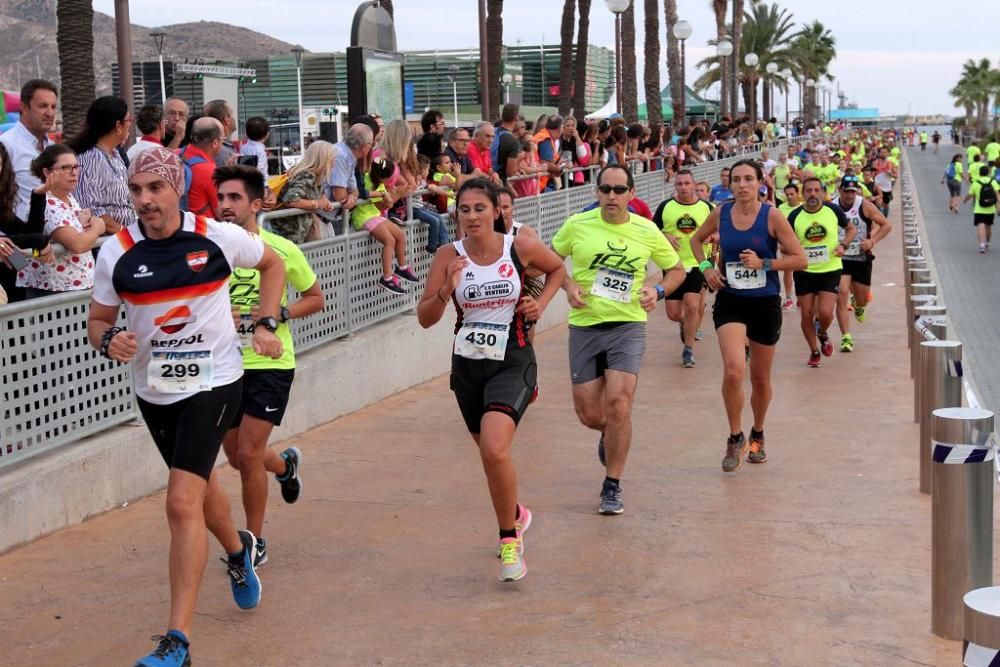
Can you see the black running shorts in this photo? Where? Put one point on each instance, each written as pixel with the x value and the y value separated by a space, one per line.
pixel 761 315
pixel 814 283
pixel 982 218
pixel 484 385
pixel 693 283
pixel 265 394
pixel 189 433
pixel 859 272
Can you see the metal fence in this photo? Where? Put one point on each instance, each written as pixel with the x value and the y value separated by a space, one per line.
pixel 56 389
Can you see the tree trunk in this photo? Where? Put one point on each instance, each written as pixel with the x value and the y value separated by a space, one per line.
pixel 651 67
pixel 630 91
pixel 566 56
pixel 75 40
pixel 719 7
pixel 737 47
pixel 674 73
pixel 765 106
pixel 494 54
pixel 580 64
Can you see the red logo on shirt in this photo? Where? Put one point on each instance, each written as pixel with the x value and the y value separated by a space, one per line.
pixel 506 270
pixel 175 319
pixel 197 260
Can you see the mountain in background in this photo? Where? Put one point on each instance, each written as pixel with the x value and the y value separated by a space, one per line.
pixel 28 29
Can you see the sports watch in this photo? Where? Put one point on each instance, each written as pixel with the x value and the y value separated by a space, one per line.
pixel 285 314
pixel 268 323
pixel 767 263
pixel 661 293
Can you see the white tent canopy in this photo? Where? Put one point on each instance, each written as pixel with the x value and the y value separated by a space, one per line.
pixel 605 111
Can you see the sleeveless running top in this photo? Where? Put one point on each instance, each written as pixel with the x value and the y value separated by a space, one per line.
pixel 733 241
pixel 856 215
pixel 486 300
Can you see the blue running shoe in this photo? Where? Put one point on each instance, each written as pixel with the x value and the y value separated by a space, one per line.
pixel 242 575
pixel 171 651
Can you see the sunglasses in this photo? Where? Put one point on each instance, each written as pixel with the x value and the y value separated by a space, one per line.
pixel 617 189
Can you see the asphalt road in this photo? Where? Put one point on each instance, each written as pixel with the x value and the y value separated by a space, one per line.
pixel 970 281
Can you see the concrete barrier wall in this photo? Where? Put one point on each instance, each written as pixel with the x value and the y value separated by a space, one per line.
pixel 73 483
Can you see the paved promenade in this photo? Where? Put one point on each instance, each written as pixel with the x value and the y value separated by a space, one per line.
pixel 821 556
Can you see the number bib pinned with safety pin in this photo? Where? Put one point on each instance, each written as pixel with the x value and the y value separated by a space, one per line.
pixel 613 285
pixel 739 276
pixel 180 372
pixel 245 330
pixel 817 254
pixel 482 340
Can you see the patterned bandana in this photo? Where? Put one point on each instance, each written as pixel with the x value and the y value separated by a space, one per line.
pixel 162 162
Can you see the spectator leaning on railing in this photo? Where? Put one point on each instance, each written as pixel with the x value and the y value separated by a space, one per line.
pixel 65 223
pixel 304 190
pixel 103 186
pixel 430 143
pixel 29 136
pixel 343 184
pixel 479 151
pixel 17 234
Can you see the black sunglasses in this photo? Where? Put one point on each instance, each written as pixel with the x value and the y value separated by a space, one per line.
pixel 617 189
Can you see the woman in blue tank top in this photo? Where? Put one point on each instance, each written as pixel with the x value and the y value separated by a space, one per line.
pixel 748 304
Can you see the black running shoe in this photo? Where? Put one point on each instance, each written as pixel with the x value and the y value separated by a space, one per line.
pixel 611 499
pixel 260 554
pixel 291 483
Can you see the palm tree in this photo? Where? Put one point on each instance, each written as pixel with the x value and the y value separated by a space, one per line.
pixel 566 56
pixel 494 54
pixel 965 97
pixel 811 51
pixel 674 73
pixel 75 40
pixel 630 92
pixel 737 33
pixel 580 62
pixel 719 8
pixel 766 32
pixel 651 68
pixel 977 86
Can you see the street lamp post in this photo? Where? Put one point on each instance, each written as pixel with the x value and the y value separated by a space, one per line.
pixel 682 30
pixel 806 102
pixel 751 60
pixel 158 36
pixel 772 69
pixel 507 79
pixel 723 50
pixel 617 7
pixel 297 51
pixel 453 75
pixel 786 74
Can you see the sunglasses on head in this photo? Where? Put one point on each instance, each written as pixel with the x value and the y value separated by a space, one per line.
pixel 617 189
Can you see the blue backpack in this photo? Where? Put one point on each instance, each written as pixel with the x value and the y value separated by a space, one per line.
pixel 495 148
pixel 950 171
pixel 188 162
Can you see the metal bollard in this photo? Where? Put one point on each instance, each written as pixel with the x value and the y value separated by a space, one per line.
pixel 913 250
pixel 934 326
pixel 940 379
pixel 911 304
pixel 961 512
pixel 916 273
pixel 981 623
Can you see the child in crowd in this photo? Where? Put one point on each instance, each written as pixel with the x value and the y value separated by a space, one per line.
pixel 443 178
pixel 371 218
pixel 527 163
pixel 258 130
pixel 437 233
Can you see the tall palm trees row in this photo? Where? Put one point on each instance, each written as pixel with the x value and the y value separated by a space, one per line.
pixel 769 31
pixel 978 86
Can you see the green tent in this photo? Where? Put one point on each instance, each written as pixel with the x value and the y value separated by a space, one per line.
pixel 696 106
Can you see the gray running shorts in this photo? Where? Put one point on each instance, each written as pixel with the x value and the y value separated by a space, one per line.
pixel 593 350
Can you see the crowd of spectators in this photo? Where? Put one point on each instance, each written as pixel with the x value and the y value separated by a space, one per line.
pixel 376 177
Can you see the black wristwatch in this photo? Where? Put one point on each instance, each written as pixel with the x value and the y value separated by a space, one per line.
pixel 285 314
pixel 268 323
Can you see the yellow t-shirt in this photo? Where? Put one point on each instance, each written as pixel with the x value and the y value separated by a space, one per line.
pixel 819 235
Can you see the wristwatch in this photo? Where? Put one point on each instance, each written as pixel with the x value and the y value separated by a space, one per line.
pixel 768 262
pixel 268 323
pixel 284 314
pixel 661 293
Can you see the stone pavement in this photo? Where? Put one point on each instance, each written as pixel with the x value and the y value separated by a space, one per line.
pixel 821 556
pixel 970 282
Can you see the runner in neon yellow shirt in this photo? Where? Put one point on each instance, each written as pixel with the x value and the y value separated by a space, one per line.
pixel 266 382
pixel 610 248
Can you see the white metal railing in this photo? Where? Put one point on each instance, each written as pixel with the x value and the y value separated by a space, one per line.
pixel 56 389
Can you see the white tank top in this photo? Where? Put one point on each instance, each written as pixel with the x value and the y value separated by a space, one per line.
pixel 515 227
pixel 486 298
pixel 854 215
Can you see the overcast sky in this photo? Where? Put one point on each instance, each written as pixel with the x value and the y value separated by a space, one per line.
pixel 894 55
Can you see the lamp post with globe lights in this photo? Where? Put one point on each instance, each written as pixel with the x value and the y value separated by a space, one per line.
pixel 723 50
pixel 786 74
pixel 453 75
pixel 507 79
pixel 771 69
pixel 158 36
pixel 297 51
pixel 617 7
pixel 807 104
pixel 682 30
pixel 751 60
